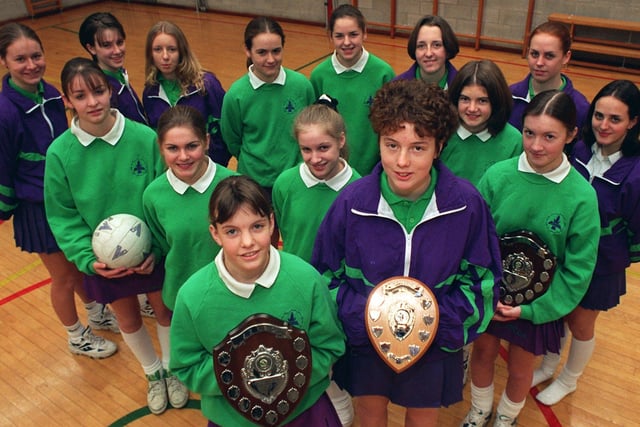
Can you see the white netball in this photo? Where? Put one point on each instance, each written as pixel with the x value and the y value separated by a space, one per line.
pixel 121 240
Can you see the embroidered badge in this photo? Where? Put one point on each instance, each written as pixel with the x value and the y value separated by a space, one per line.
pixel 290 106
pixel 293 317
pixel 139 167
pixel 556 223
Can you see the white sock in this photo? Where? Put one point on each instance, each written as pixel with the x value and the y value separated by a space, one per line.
pixel 153 368
pixel 579 355
pixel 342 403
pixel 508 408
pixel 142 348
pixel 550 362
pixel 482 397
pixel 93 308
pixel 567 381
pixel 76 330
pixel 165 347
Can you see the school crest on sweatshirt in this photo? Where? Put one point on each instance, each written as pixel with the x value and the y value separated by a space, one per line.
pixel 139 167
pixel 556 223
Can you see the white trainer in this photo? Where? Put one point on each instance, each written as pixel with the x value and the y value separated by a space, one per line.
pixel 178 392
pixel 476 418
pixel 157 392
pixel 91 345
pixel 105 320
pixel 504 421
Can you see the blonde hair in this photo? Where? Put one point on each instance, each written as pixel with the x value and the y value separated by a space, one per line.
pixel 328 118
pixel 189 71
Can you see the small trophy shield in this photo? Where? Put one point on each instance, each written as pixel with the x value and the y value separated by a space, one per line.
pixel 263 368
pixel 401 318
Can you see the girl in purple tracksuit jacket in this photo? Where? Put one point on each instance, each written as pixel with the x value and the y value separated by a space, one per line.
pixel 410 217
pixel 432 45
pixel 32 115
pixel 103 36
pixel 609 158
pixel 175 77
pixel 548 52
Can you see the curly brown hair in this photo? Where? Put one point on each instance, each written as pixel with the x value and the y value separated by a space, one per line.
pixel 424 105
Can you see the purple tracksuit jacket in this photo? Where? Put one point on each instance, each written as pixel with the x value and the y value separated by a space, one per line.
pixel 618 193
pixel 26 131
pixel 210 105
pixel 125 100
pixel 453 250
pixel 520 95
pixel 410 74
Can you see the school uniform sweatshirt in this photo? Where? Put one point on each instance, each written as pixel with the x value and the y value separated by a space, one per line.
pixel 564 215
pixel 354 92
pixel 85 184
pixel 179 224
pixel 206 310
pixel 471 156
pixel 257 125
pixel 300 209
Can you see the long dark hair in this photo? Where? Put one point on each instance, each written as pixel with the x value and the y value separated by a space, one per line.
pixel 628 93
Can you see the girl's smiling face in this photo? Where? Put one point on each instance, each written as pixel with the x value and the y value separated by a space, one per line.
pixel 320 151
pixel 109 49
pixel 25 63
pixel 610 123
pixel 348 38
pixel 266 56
pixel 474 108
pixel 246 242
pixel 543 139
pixel 185 154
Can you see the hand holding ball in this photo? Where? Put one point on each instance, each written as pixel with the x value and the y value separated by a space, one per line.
pixel 121 240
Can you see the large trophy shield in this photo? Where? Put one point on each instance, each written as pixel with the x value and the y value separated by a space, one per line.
pixel 528 267
pixel 401 318
pixel 263 368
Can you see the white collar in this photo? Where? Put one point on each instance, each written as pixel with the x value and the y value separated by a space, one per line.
pixel 336 183
pixel 112 137
pixel 256 81
pixel 200 185
pixel 464 133
pixel 244 290
pixel 556 175
pixel 596 149
pixel 357 67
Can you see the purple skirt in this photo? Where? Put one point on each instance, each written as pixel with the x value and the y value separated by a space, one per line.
pixel 536 339
pixel 320 414
pixel 432 382
pixel 605 291
pixel 105 290
pixel 31 230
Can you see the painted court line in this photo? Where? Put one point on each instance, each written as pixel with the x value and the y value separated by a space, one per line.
pixel 547 412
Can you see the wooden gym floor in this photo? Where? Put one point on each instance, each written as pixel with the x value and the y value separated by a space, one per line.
pixel 41 383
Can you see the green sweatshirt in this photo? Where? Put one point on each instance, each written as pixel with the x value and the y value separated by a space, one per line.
pixel 179 224
pixel 84 185
pixel 564 215
pixel 256 125
pixel 354 92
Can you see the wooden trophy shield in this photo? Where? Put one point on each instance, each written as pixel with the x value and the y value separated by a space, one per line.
pixel 528 267
pixel 401 318
pixel 263 368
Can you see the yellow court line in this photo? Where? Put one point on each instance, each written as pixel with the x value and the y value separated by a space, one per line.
pixel 19 273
